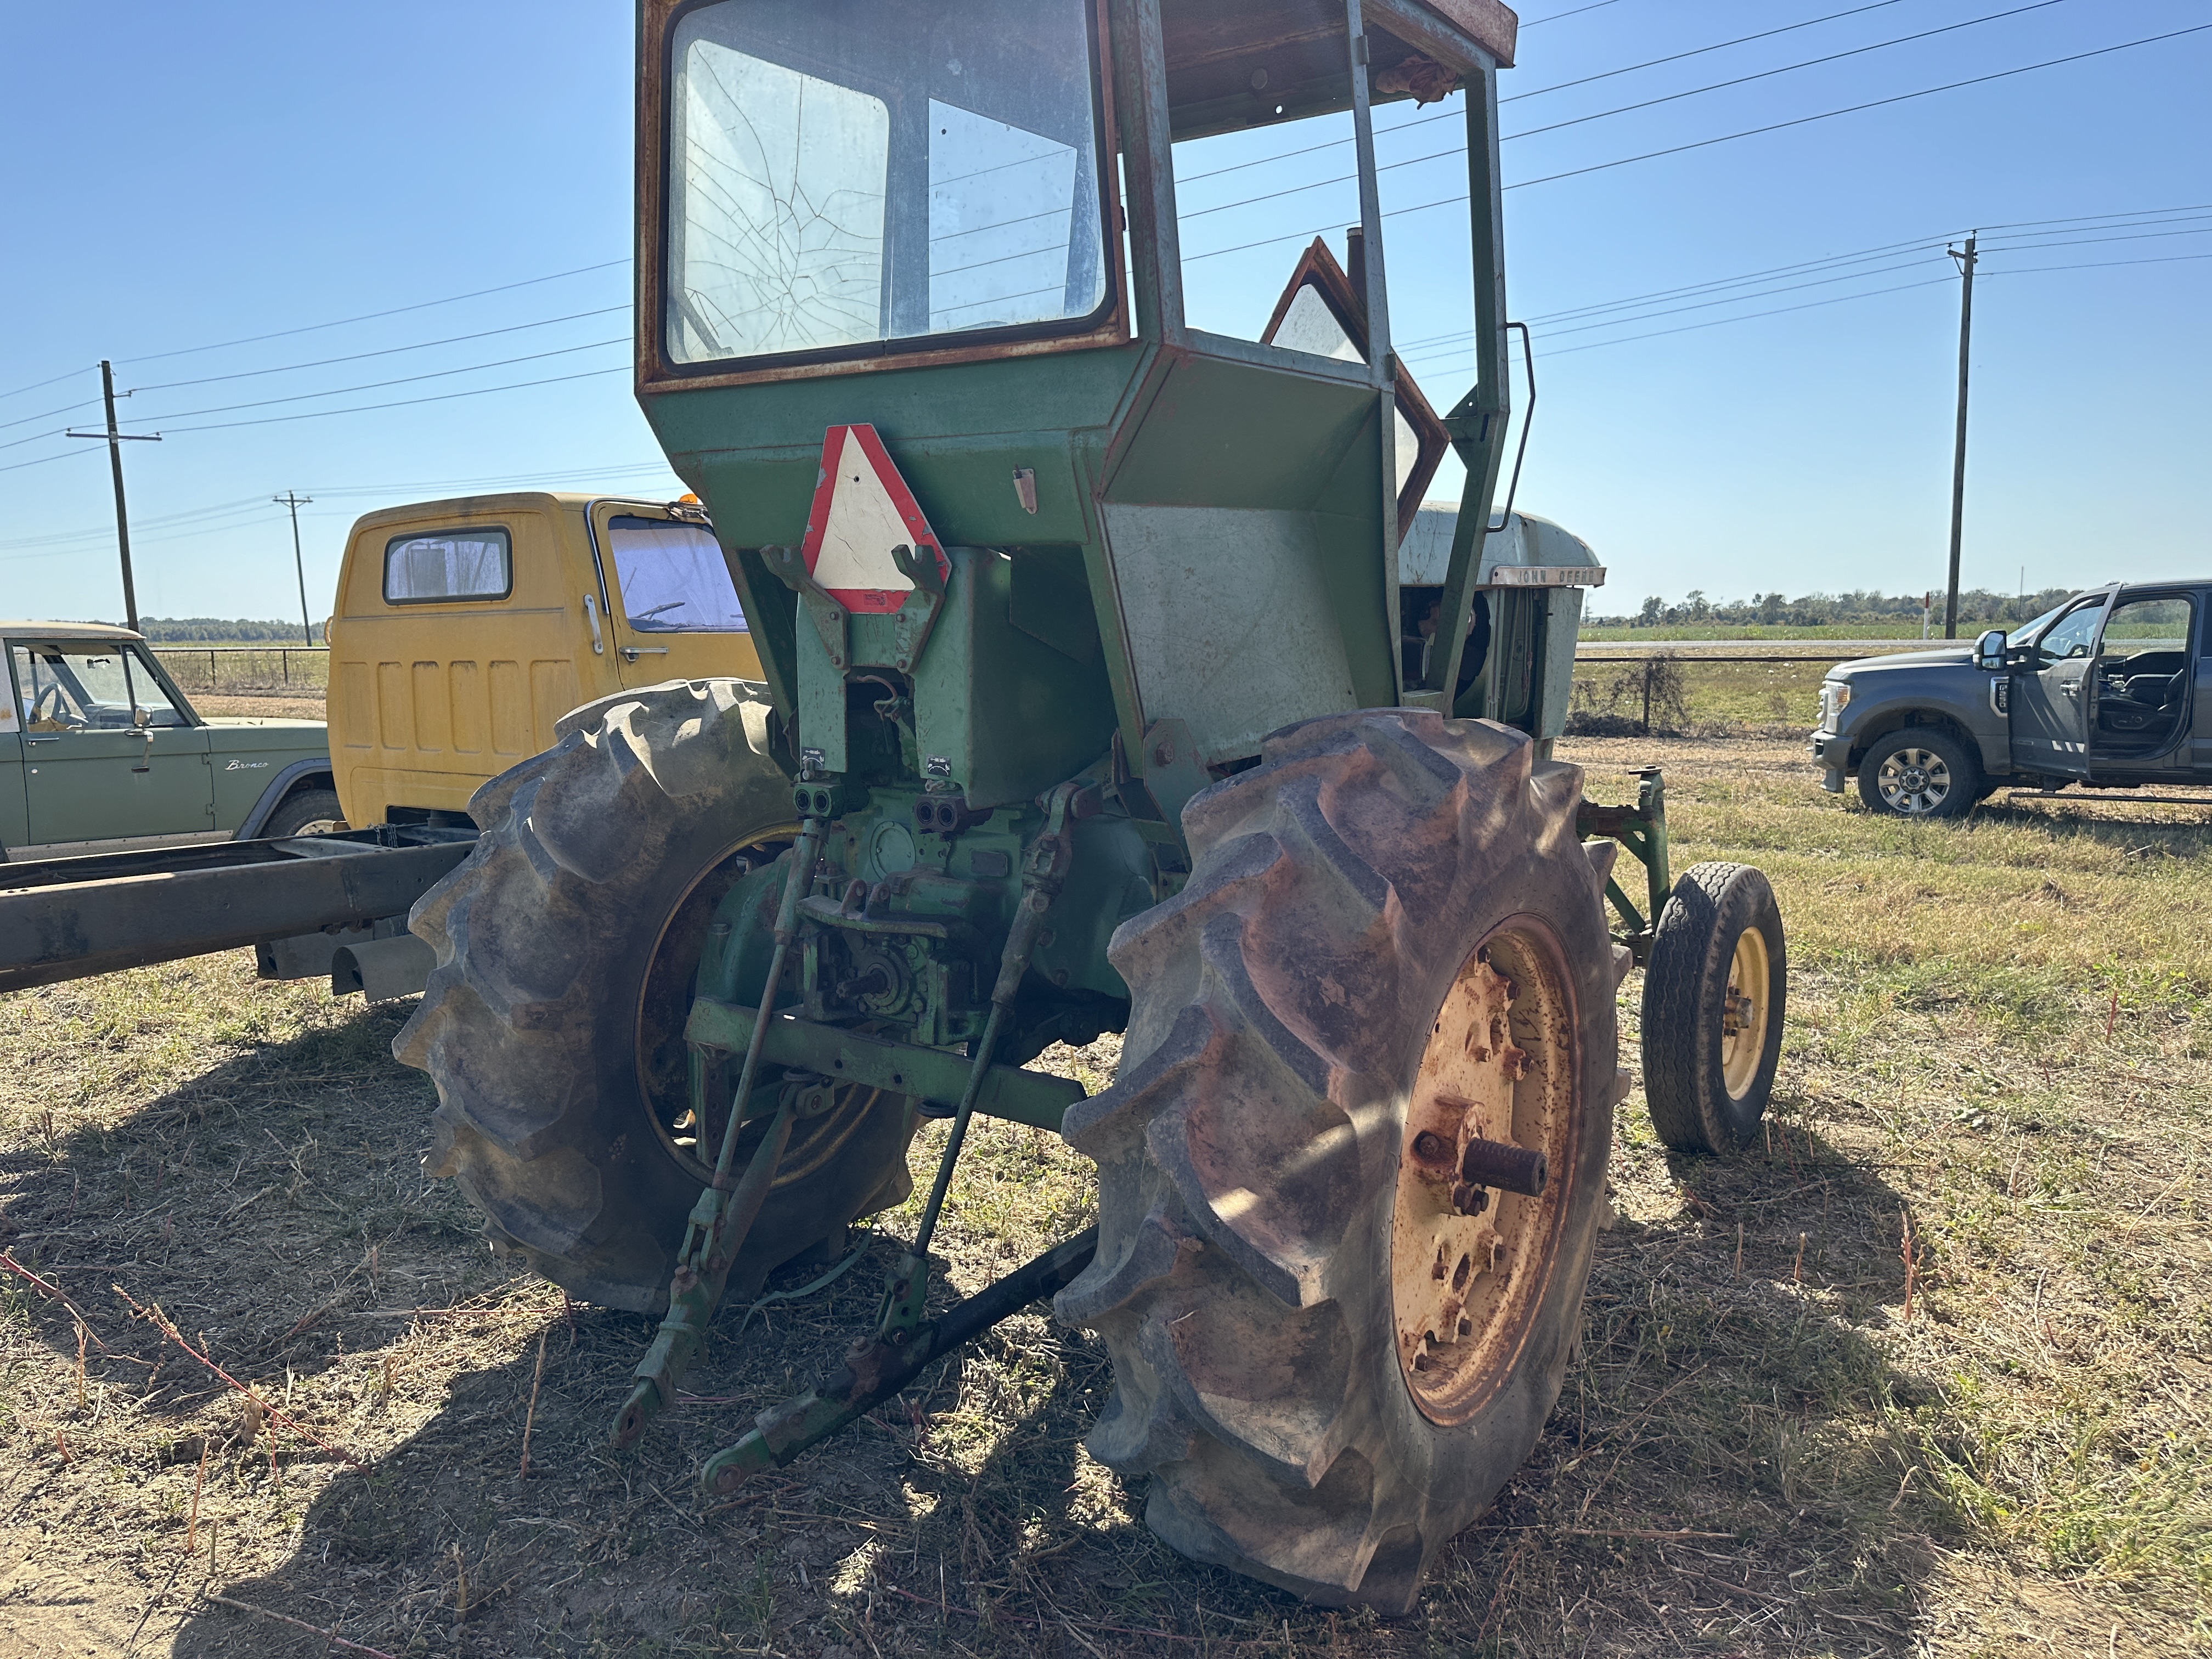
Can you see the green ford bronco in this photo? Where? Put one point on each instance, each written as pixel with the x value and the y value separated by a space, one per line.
pixel 100 752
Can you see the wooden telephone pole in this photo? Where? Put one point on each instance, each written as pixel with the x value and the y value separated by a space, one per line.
pixel 1965 259
pixel 293 499
pixel 115 443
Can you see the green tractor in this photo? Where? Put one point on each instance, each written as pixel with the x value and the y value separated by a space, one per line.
pixel 1114 682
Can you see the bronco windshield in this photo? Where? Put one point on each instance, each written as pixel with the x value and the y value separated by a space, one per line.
pixel 847 173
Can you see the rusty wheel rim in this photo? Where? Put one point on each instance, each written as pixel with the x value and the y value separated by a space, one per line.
pixel 1492 1107
pixel 1745 1010
pixel 664 1001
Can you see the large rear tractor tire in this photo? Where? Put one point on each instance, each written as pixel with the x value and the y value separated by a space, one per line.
pixel 568 943
pixel 1383 1001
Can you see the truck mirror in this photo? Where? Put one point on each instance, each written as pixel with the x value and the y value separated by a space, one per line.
pixel 1990 649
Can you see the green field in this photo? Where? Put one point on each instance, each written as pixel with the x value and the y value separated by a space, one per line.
pixel 1661 633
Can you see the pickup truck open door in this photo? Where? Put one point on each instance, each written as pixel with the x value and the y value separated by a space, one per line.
pixel 2050 693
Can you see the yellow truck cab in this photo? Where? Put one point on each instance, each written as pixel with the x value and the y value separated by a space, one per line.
pixel 465 629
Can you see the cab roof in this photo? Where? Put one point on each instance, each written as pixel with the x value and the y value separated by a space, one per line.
pixel 512 501
pixel 68 631
pixel 1236 64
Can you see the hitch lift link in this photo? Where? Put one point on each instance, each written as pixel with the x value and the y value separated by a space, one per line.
pixel 876 1367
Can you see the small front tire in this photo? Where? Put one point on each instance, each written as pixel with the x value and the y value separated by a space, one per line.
pixel 1713 996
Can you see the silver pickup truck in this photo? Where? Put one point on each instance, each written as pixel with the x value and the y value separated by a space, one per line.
pixel 2112 688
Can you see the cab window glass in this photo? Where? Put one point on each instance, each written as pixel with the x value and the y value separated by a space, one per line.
pixel 2147 627
pixel 453 564
pixel 2070 636
pixel 843 173
pixel 74 687
pixel 674 578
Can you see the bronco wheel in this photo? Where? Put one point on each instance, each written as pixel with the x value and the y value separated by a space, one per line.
pixel 568 943
pixel 307 813
pixel 1351 1173
pixel 1919 773
pixel 1713 996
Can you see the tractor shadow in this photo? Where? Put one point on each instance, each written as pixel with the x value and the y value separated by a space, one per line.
pixel 1732 1436
pixel 275 1204
pixel 1738 1443
pixel 271 1206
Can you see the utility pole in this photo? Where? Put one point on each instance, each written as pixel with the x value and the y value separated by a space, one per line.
pixel 115 443
pixel 296 501
pixel 1965 259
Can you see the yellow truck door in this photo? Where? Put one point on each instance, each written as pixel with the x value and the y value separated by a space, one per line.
pixel 673 612
pixel 454 651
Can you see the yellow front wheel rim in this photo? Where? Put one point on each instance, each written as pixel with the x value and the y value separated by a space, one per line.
pixel 1745 1011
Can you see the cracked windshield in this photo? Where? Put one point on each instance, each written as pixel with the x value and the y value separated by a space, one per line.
pixel 857 172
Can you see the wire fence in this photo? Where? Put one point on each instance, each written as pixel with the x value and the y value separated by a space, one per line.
pixel 248 668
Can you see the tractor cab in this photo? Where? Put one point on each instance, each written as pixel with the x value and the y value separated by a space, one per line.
pixel 959 226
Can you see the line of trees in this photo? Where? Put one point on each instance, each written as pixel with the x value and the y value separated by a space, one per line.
pixel 1977 606
pixel 212 630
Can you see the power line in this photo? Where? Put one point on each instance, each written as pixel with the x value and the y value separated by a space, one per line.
pixel 1765 75
pixel 373 385
pixel 1848 277
pixel 19 465
pixel 247 510
pixel 70 409
pixel 36 437
pixel 1695 52
pixel 1458 150
pixel 2097 265
pixel 1451 345
pixel 1854 109
pixel 358 356
pixel 1596 5
pixel 1931 241
pixel 1425 120
pixel 56 381
pixel 371 316
pixel 1748 132
pixel 400 403
pixel 1840 299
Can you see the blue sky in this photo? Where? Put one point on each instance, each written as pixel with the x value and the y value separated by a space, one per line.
pixel 176 178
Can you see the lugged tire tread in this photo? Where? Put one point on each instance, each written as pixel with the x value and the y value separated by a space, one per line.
pixel 518 1025
pixel 1341 813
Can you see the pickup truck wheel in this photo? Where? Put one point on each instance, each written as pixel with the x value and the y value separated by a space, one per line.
pixel 1714 991
pixel 306 812
pixel 1919 773
pixel 568 944
pixel 1334 1340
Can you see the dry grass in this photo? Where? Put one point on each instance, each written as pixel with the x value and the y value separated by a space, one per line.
pixel 255 668
pixel 268 705
pixel 2021 1462
pixel 1772 699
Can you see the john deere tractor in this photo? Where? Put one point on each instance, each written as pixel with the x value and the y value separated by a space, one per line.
pixel 1115 681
